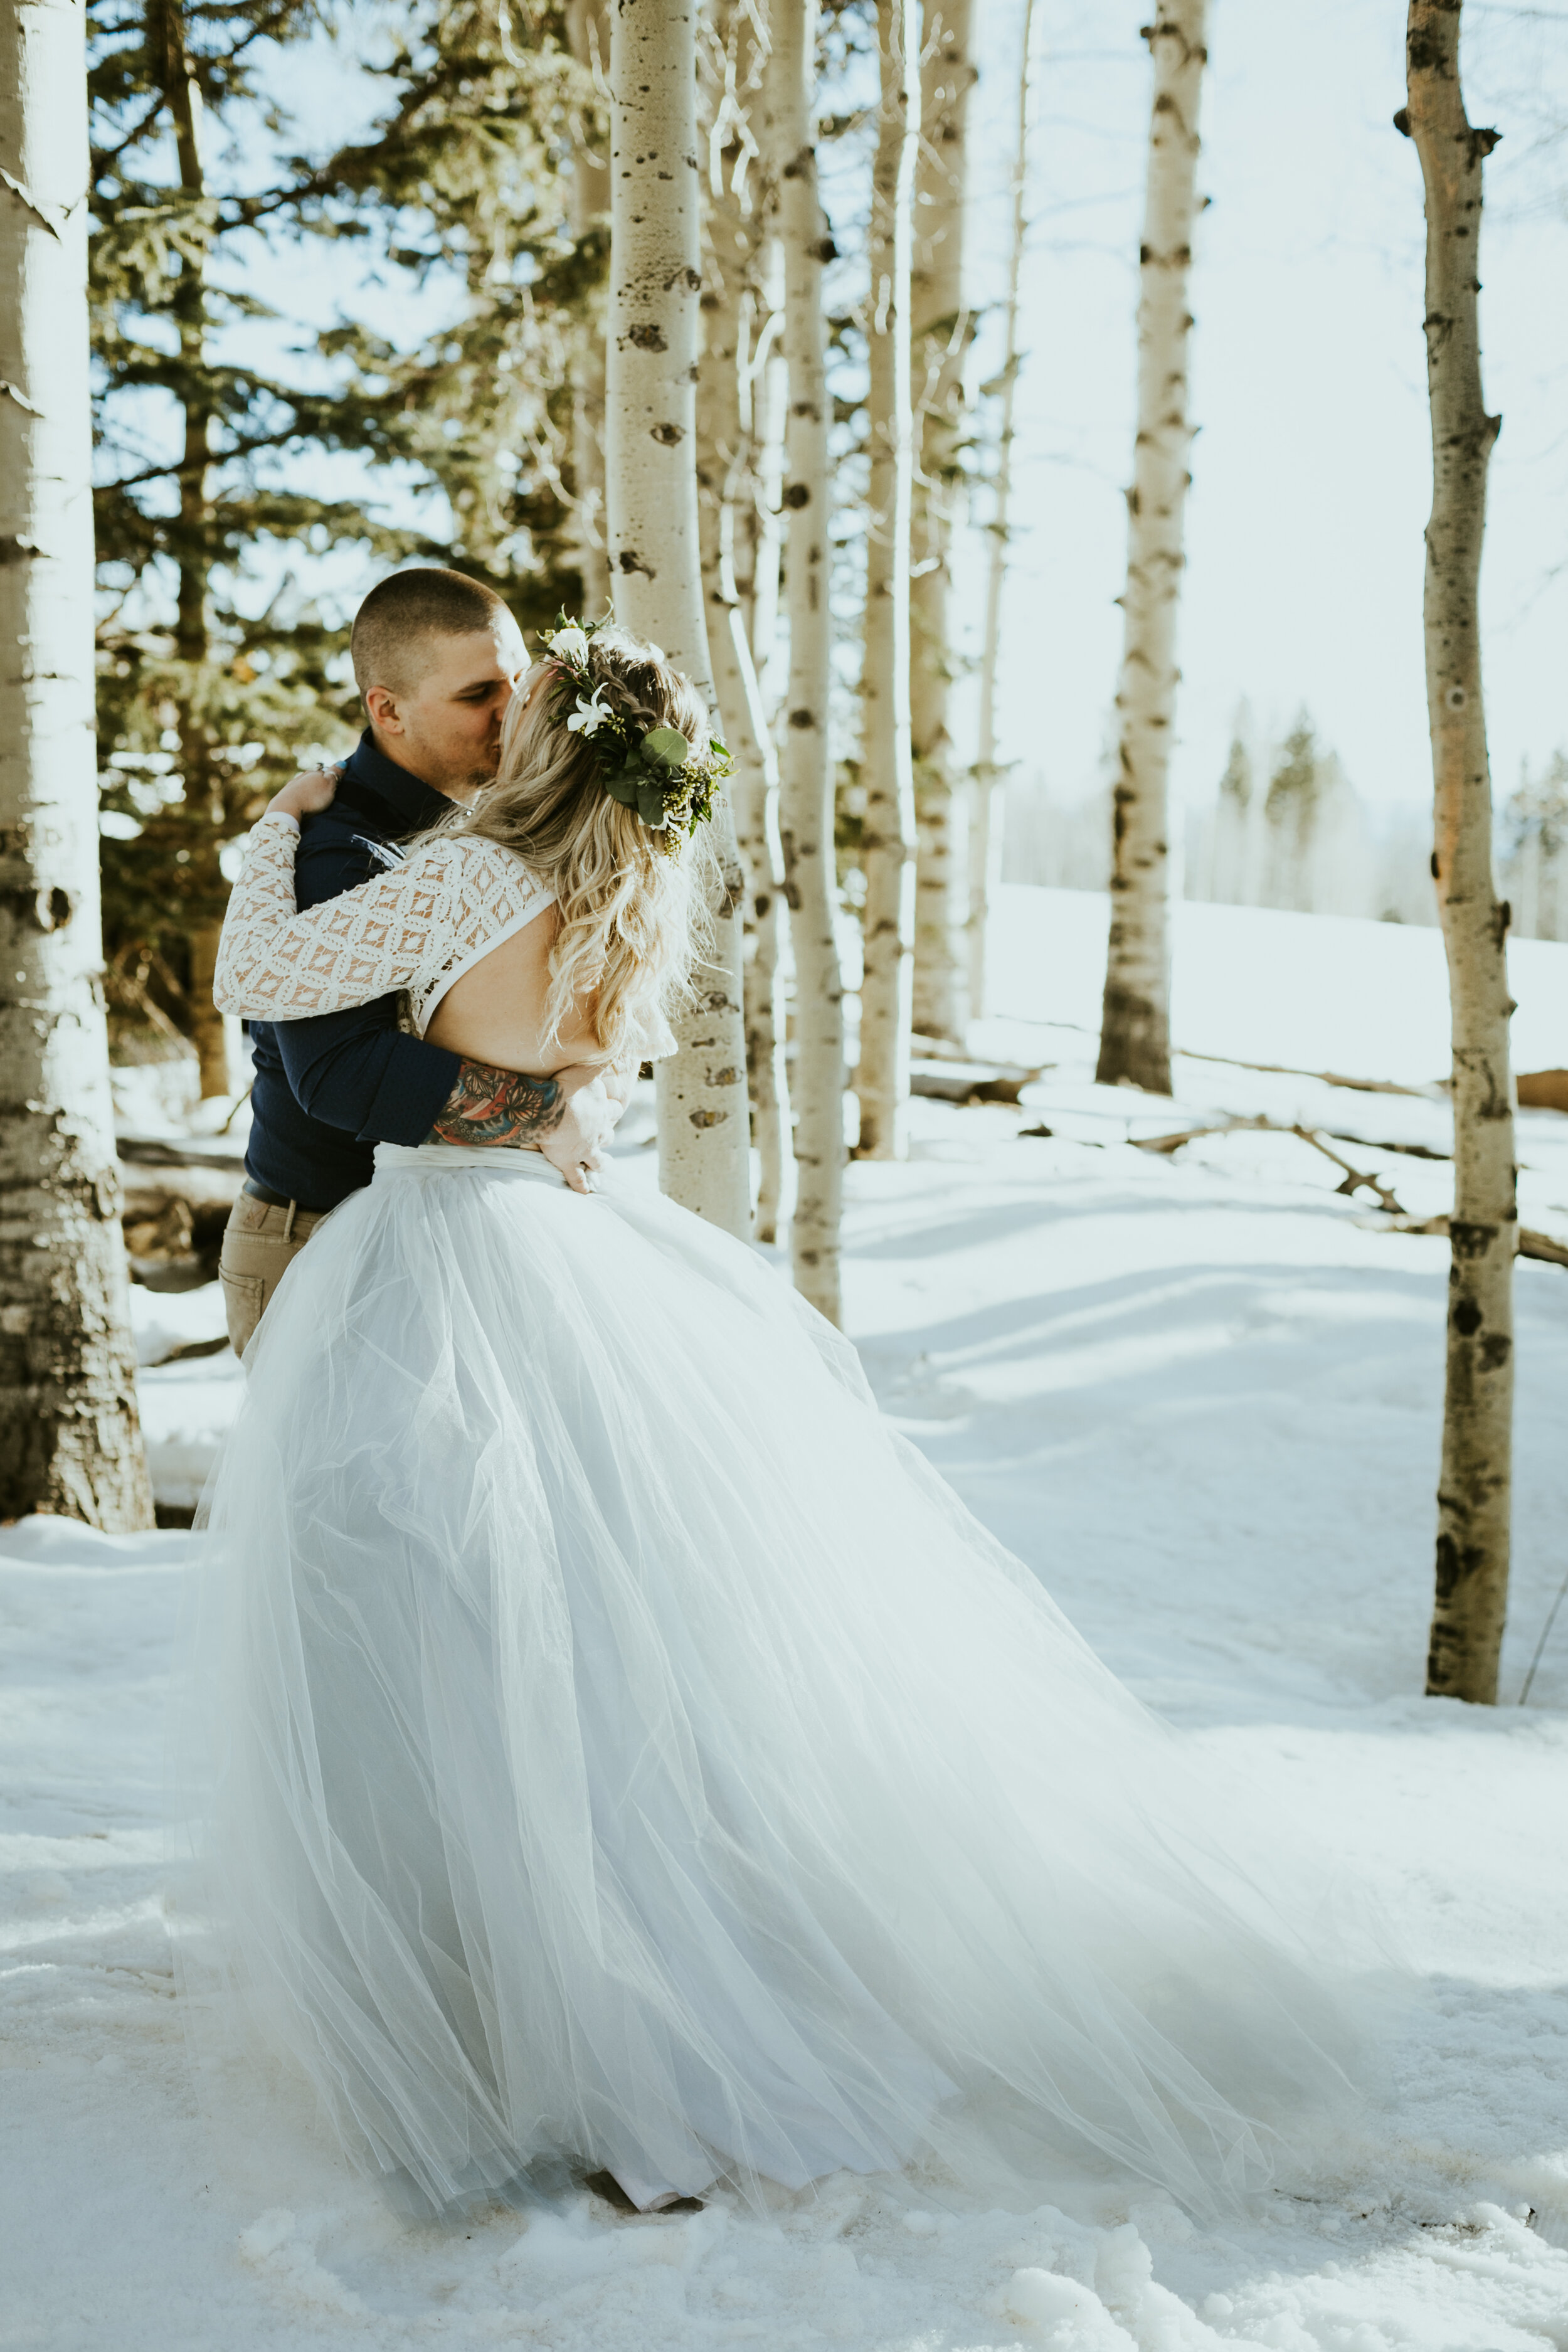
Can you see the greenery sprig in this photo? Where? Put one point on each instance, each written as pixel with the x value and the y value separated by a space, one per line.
pixel 652 771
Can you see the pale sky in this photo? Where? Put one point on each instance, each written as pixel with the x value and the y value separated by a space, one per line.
pixel 1311 468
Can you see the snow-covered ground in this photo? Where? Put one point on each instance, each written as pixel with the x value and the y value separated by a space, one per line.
pixel 1200 1395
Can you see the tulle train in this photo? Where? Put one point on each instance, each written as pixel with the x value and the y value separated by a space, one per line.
pixel 620 1744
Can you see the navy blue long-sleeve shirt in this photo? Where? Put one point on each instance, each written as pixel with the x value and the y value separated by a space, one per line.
pixel 328 1090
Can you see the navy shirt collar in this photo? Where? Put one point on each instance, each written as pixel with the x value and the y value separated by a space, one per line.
pixel 413 805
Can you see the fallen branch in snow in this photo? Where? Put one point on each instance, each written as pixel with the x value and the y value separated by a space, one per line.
pixel 1531 1244
pixel 972 1082
pixel 1411 1150
pixel 1355 1178
pixel 1324 1077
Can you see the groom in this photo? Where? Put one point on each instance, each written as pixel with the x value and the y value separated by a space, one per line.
pixel 436 656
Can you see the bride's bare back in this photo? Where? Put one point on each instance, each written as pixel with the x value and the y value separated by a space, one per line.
pixel 495 1011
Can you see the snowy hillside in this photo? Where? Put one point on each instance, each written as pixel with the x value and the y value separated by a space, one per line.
pixel 1198 1392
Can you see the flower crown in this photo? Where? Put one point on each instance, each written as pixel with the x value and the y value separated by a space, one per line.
pixel 652 769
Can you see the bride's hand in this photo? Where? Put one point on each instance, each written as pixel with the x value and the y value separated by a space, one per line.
pixel 587 1121
pixel 302 795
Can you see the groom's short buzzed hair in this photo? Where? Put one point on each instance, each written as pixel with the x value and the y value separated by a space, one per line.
pixel 393 626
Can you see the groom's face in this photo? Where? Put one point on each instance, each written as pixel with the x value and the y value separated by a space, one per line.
pixel 444 723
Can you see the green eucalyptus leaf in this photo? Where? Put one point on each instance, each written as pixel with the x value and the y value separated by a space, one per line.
pixel 624 787
pixel 667 746
pixel 650 806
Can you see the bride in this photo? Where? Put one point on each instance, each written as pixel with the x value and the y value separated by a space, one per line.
pixel 630 1752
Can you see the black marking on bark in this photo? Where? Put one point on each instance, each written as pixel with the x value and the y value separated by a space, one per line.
pixel 648 338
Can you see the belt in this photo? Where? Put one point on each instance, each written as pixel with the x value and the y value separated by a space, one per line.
pixel 276 1200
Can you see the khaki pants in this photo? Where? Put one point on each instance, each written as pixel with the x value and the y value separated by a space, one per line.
pixel 259 1244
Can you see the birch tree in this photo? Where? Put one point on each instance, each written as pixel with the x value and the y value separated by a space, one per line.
pixel 985 834
pixel 735 278
pixel 1474 1488
pixel 650 481
pixel 941 333
pixel 887 763
pixel 1135 1031
pixel 70 1437
pixel 806 795
pixel 589 34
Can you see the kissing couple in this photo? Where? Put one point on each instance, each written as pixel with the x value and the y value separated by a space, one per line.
pixel 624 1755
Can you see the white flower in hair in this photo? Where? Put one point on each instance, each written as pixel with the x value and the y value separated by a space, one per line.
pixel 570 644
pixel 589 715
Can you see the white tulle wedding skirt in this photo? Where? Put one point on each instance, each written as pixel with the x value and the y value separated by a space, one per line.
pixel 623 1747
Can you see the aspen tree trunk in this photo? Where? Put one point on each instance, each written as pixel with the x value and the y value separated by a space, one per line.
pixel 589 34
pixel 985 836
pixel 650 476
pixel 770 399
pixel 210 1034
pixel 1135 1031
pixel 71 1441
pixel 806 796
pixel 732 263
pixel 941 334
pixel 887 990
pixel 1474 1485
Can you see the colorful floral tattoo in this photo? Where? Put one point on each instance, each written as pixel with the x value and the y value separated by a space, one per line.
pixel 500 1106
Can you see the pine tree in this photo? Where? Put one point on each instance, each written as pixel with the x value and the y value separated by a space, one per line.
pixel 211 688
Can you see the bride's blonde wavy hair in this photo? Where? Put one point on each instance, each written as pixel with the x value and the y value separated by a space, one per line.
pixel 631 922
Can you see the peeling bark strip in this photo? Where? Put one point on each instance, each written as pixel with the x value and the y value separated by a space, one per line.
pixel 737 243
pixel 1135 1029
pixel 70 1439
pixel 940 329
pixel 805 799
pixel 704 1149
pixel 1474 1492
pixel 886 991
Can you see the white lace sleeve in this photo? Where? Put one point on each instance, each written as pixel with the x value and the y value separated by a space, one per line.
pixel 417 928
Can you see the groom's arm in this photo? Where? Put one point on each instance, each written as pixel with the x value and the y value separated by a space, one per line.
pixel 358 1070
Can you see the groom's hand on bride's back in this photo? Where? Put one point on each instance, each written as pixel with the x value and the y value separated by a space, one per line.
pixel 568 1119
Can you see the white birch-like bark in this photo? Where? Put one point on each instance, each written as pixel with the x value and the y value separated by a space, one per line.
pixel 71 1440
pixel 588 32
pixel 807 794
pixel 769 409
pixel 1135 1031
pixel 733 266
pixel 941 333
pixel 1474 1490
pixel 882 1081
pixel 656 569
pixel 985 831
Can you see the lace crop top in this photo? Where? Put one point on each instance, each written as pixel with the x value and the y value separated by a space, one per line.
pixel 417 927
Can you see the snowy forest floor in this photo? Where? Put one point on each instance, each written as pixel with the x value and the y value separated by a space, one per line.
pixel 1200 1396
